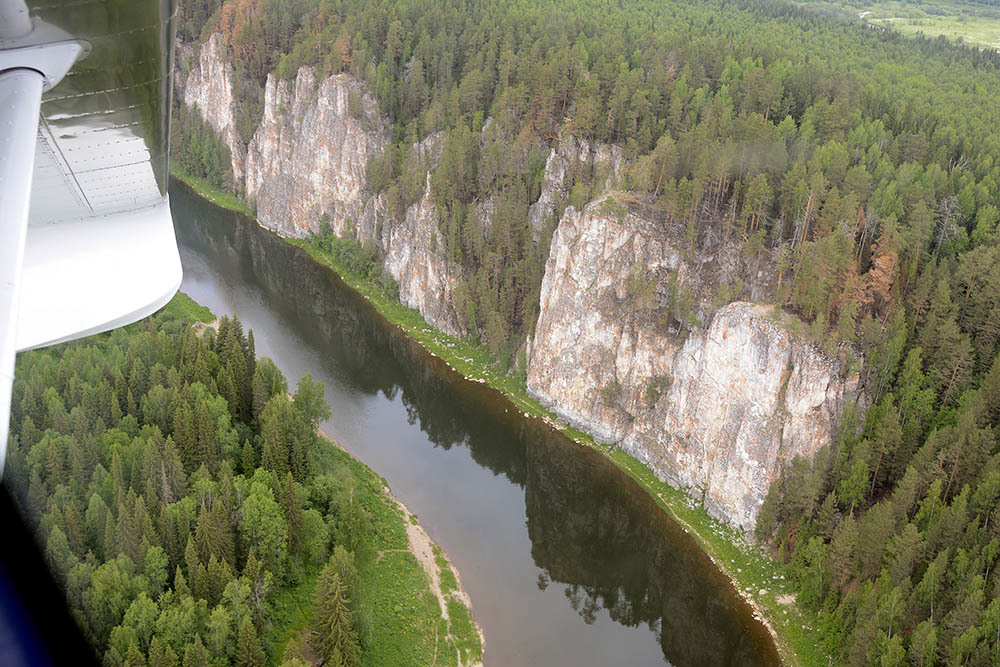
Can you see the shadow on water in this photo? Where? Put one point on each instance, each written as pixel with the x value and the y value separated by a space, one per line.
pixel 597 540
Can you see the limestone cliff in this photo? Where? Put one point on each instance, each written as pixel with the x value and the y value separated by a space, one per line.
pixel 209 88
pixel 308 158
pixel 628 344
pixel 717 409
pixel 309 155
pixel 568 156
pixel 426 279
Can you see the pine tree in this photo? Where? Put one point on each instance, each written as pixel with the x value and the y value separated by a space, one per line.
pixel 110 543
pixel 185 438
pixel 841 552
pixel 219 576
pixel 242 387
pixel 172 477
pixel 248 461
pixel 205 430
pixel 923 645
pixel 161 654
pixel 928 590
pixel 251 359
pixel 36 501
pixel 888 439
pixel 274 455
pixel 851 489
pixel 293 515
pixel 127 536
pixel 134 657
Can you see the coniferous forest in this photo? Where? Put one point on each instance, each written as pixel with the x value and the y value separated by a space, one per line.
pixel 197 150
pixel 861 167
pixel 186 504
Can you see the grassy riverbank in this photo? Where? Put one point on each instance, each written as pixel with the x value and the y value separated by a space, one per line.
pixel 406 625
pixel 760 579
pixel 413 618
pixel 205 189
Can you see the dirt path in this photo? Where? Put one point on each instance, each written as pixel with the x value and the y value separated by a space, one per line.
pixel 199 327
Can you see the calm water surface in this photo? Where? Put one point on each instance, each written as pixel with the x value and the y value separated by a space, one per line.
pixel 567 560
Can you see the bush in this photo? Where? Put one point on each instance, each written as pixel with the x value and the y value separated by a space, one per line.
pixel 610 393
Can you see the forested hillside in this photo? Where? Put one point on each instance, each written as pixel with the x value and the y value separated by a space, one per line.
pixel 859 167
pixel 844 156
pixel 194 517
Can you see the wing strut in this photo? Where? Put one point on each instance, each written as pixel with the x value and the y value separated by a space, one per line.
pixel 20 99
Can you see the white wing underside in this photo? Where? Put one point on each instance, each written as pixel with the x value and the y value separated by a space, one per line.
pixel 100 250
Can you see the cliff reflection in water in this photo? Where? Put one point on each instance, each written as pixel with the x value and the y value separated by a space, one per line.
pixel 591 527
pixel 595 529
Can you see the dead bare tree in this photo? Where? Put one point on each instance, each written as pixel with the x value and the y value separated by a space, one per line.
pixel 944 219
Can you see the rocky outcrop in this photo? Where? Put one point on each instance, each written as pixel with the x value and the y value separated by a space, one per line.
pixel 628 344
pixel 569 155
pixel 718 409
pixel 209 87
pixel 426 279
pixel 308 159
pixel 309 155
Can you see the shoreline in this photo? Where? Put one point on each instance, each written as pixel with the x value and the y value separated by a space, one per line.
pixel 758 579
pixel 426 551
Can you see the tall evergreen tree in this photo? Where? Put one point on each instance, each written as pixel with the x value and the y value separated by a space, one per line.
pixel 333 634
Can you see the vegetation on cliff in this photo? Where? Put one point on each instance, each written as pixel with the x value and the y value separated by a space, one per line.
pixel 196 150
pixel 808 139
pixel 861 167
pixel 185 502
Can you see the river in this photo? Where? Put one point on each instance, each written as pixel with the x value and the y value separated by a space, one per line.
pixel 567 560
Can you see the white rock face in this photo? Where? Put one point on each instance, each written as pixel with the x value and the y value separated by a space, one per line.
pixel 209 88
pixel 309 155
pixel 586 338
pixel 719 411
pixel 426 280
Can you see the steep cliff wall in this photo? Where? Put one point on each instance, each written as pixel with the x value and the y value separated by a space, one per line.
pixel 209 88
pixel 627 345
pixel 309 155
pixel 308 158
pixel 567 156
pixel 413 256
pixel 718 409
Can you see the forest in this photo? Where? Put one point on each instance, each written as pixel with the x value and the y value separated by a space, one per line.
pixel 860 166
pixel 197 150
pixel 186 504
pixel 813 143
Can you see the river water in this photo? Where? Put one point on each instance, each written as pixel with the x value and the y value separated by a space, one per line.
pixel 568 561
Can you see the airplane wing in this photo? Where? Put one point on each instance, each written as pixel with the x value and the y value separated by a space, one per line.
pixel 86 239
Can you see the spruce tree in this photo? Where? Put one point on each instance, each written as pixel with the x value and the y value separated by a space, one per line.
pixel 333 634
pixel 195 654
pixel 248 649
pixel 293 514
pixel 134 657
pixel 248 461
